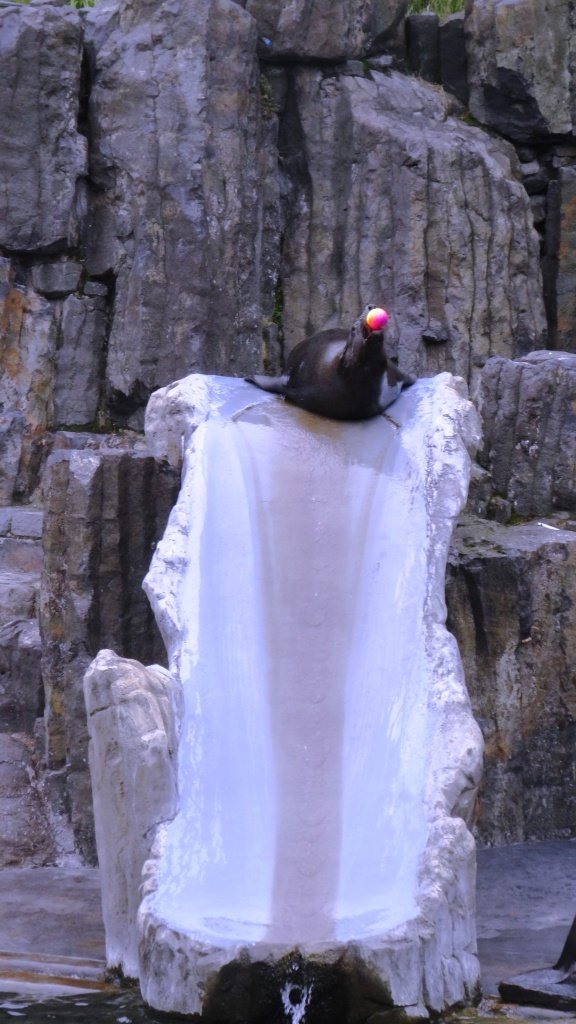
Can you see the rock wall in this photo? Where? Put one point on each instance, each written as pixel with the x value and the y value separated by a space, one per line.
pixel 105 510
pixel 195 187
pixel 511 594
pixel 512 65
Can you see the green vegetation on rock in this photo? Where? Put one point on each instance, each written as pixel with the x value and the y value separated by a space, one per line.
pixel 435 6
pixel 71 3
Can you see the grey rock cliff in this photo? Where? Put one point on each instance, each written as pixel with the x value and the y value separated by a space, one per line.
pixel 529 431
pixel 395 201
pixel 104 512
pixel 511 594
pixel 43 155
pixel 521 66
pixel 183 194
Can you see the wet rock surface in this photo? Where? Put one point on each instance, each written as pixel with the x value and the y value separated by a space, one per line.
pixel 540 988
pixel 525 898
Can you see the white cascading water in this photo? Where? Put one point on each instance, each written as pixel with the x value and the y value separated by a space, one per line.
pixel 303 620
pixel 302 663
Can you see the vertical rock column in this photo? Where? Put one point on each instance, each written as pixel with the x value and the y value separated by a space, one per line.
pixel 183 214
pixel 104 513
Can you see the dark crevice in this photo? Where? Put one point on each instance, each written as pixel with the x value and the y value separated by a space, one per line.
pixel 85 87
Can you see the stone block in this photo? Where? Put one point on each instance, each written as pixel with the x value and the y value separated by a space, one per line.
pixel 520 67
pixel 511 597
pixel 18 596
pixel 193 256
pixel 5 521
pixel 21 692
pixel 79 360
pixel 27 522
pixel 423 46
pixel 326 29
pixel 453 62
pixel 20 555
pixel 56 279
pixel 29 333
pixel 26 834
pixel 529 431
pixel 12 427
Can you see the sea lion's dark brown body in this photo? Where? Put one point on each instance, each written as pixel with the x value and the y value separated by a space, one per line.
pixel 346 376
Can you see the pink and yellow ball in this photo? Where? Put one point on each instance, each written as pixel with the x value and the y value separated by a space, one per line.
pixel 377 318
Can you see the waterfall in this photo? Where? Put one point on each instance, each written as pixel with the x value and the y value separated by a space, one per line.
pixel 326 752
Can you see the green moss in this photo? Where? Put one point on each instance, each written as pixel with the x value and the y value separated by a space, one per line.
pixel 77 4
pixel 435 6
pixel 268 105
pixel 278 311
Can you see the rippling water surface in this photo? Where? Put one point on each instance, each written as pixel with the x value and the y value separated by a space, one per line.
pixel 123 1007
pixel 103 1008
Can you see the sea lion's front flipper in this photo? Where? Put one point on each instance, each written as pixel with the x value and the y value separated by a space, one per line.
pixel 393 383
pixel 396 376
pixel 277 385
pixel 567 960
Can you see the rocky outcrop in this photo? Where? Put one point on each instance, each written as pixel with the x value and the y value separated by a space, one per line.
pixel 511 598
pixel 327 30
pixel 520 67
pixel 231 220
pixel 105 510
pixel 511 595
pixel 530 433
pixel 522 85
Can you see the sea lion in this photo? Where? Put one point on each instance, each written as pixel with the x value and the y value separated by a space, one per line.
pixel 345 376
pixel 567 960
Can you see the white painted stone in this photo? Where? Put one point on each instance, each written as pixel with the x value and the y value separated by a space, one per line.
pixel 327 752
pixel 132 722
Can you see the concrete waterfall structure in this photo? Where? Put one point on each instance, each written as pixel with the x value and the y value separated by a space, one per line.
pixel 316 755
